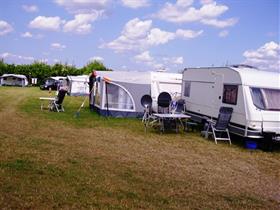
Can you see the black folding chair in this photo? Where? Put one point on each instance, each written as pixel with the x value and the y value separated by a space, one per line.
pixel 56 105
pixel 219 128
pixel 163 101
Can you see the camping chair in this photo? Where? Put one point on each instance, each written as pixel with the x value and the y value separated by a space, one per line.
pixel 163 101
pixel 180 108
pixel 219 128
pixel 56 105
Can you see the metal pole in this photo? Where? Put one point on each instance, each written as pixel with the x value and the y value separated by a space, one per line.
pixel 107 101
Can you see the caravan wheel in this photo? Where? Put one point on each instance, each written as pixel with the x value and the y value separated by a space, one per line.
pixel 266 144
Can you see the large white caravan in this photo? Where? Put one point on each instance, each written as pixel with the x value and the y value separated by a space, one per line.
pixel 253 94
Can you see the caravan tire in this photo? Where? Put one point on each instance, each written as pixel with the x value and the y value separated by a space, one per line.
pixel 266 144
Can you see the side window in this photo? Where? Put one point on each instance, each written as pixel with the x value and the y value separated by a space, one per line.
pixel 257 98
pixel 230 94
pixel 187 89
pixel 118 98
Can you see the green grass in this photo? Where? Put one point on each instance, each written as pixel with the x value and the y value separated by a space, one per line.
pixel 85 118
pixel 56 161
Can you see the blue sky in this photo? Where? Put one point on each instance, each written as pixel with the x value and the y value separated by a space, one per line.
pixel 141 35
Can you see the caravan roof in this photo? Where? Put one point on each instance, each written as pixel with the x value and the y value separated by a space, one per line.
pixel 14 75
pixel 79 78
pixel 238 74
pixel 126 76
pixel 138 77
pixel 258 78
pixel 58 78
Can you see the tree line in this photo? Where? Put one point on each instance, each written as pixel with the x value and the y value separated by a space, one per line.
pixel 41 70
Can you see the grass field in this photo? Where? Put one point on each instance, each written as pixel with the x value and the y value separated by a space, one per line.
pixel 56 161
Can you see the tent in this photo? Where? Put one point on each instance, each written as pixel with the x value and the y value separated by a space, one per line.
pixel 13 80
pixel 78 85
pixel 123 91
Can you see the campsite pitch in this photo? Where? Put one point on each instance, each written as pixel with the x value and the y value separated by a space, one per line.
pixel 56 161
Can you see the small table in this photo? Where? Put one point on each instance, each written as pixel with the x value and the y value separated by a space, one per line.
pixel 176 117
pixel 49 99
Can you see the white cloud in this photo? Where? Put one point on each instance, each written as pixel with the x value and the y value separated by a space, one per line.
pixel 267 57
pixel 160 63
pixel 134 4
pixel 157 37
pixel 148 60
pixel 13 58
pixel 180 13
pixel 5 28
pixel 139 35
pixel 27 35
pixel 206 1
pixel 133 36
pixel 46 23
pixel 183 11
pixel 81 24
pixel 223 33
pixel 97 58
pixel 173 60
pixel 30 8
pixel 83 6
pixel 188 34
pixel 57 46
pixel 220 23
pixel 136 28
pixel 184 3
pixel 144 57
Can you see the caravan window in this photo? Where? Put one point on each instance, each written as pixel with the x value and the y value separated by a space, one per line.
pixel 265 98
pixel 187 89
pixel 230 94
pixel 118 98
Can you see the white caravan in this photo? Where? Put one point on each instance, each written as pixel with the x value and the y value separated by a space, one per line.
pixel 78 85
pixel 13 80
pixel 253 94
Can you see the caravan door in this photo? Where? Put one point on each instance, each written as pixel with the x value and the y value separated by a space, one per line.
pixel 217 92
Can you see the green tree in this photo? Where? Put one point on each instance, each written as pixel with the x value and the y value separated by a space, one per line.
pixel 94 65
pixel 3 67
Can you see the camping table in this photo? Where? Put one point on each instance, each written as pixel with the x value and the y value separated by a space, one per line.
pixel 176 117
pixel 49 99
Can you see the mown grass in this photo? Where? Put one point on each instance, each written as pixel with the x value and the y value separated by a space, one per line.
pixel 82 118
pixel 56 161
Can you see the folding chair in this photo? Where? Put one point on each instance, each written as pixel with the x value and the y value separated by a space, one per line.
pixel 56 105
pixel 163 101
pixel 219 128
pixel 180 108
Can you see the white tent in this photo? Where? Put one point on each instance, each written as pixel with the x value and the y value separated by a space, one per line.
pixel 123 91
pixel 78 85
pixel 13 80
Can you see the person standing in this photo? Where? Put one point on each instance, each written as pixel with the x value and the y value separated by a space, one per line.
pixel 92 80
